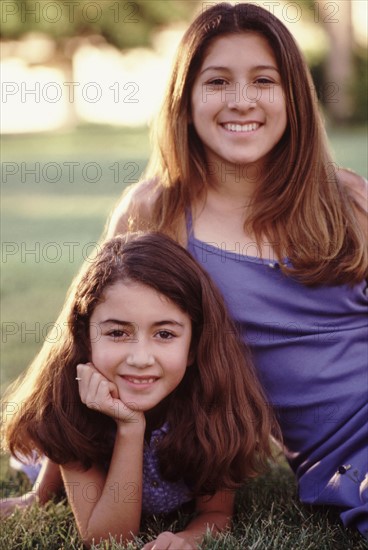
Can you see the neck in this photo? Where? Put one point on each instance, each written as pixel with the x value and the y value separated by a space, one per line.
pixel 234 182
pixel 156 416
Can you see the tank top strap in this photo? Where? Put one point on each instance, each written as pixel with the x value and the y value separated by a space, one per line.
pixel 189 221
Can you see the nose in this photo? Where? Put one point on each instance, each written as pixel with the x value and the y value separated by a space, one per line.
pixel 242 97
pixel 140 355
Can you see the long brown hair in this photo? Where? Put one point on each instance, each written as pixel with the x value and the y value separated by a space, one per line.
pixel 300 206
pixel 219 421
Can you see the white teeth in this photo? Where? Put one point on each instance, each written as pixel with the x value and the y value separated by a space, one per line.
pixel 141 380
pixel 242 127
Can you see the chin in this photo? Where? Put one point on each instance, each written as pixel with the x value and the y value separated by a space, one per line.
pixel 142 408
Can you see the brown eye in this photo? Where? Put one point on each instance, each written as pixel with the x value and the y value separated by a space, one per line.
pixel 216 83
pixel 264 81
pixel 165 335
pixel 118 334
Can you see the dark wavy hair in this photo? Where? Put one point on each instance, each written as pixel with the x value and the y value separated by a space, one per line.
pixel 220 423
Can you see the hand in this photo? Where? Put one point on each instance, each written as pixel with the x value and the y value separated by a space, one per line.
pixel 97 392
pixel 169 541
pixel 10 504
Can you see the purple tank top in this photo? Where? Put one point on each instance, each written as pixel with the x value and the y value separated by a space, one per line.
pixel 310 348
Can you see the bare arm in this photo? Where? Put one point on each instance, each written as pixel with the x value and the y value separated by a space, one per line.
pixel 135 203
pixel 108 503
pixel 214 515
pixel 111 503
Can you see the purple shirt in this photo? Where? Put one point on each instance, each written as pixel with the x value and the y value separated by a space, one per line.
pixel 310 347
pixel 160 496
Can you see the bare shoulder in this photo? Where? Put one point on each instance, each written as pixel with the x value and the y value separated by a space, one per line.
pixel 356 185
pixel 136 201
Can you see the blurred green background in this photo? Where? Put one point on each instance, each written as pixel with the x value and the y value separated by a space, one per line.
pixel 59 187
pixel 49 227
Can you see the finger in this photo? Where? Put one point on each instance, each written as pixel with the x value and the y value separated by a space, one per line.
pixel 156 544
pixel 90 368
pixel 99 396
pixel 83 368
pixel 113 389
pixel 84 374
pixel 99 392
pixel 163 541
pixel 150 546
pixel 178 544
pixel 104 389
pixel 104 396
pixel 90 386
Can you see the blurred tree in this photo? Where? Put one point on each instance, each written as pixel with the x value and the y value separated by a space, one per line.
pixel 123 23
pixel 69 23
pixel 339 67
pixel 338 90
pixel 128 24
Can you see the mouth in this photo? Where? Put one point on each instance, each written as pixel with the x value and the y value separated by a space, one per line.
pixel 237 128
pixel 140 380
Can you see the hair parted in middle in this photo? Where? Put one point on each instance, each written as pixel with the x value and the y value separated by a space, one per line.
pixel 299 205
pixel 219 420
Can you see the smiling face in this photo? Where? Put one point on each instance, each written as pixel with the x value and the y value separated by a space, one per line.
pixel 140 340
pixel 237 102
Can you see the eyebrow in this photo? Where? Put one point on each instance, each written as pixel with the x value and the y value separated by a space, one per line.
pixel 130 323
pixel 256 68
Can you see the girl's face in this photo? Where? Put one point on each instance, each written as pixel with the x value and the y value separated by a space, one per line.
pixel 237 102
pixel 140 341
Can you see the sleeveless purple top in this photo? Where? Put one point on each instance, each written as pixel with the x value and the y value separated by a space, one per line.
pixel 310 348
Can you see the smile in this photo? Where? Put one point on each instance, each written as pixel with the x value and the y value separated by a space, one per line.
pixel 241 127
pixel 139 381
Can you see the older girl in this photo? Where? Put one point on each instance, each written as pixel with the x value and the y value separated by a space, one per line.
pixel 242 176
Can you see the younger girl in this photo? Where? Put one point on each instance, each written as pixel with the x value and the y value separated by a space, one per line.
pixel 148 400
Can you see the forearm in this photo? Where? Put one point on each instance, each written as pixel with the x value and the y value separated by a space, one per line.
pixel 116 508
pixel 48 483
pixel 118 511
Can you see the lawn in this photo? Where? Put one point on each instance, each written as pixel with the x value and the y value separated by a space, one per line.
pixel 268 517
pixel 57 192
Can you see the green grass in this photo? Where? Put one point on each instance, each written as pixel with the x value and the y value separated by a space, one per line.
pixel 268 516
pixel 47 216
